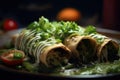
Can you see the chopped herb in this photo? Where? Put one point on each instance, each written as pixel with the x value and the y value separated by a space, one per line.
pixel 90 29
pixel 18 55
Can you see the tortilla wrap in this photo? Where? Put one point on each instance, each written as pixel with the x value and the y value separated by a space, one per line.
pixel 83 47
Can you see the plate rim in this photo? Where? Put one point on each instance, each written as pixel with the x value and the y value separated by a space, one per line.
pixel 12 70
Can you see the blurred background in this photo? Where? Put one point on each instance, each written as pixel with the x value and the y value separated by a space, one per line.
pixel 101 13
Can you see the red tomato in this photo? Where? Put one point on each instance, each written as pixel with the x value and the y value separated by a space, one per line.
pixel 10 24
pixel 8 58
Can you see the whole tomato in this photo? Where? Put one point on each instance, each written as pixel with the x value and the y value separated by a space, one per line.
pixel 10 24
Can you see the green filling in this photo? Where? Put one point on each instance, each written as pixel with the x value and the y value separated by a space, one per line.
pixel 86 51
pixel 112 52
pixel 57 57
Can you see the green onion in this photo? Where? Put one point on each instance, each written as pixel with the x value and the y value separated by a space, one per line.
pixel 30 67
pixel 17 55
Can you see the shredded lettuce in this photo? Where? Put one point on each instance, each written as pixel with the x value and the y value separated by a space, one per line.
pixel 59 30
pixel 90 29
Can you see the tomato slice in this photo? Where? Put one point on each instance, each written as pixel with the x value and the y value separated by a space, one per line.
pixel 9 59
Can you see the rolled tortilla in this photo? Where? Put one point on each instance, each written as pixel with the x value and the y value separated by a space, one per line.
pixel 55 55
pixel 82 47
pixel 48 52
pixel 107 49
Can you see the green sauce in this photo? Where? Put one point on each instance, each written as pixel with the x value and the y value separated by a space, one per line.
pixel 98 68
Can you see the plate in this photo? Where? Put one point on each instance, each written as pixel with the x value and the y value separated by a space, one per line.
pixel 10 73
